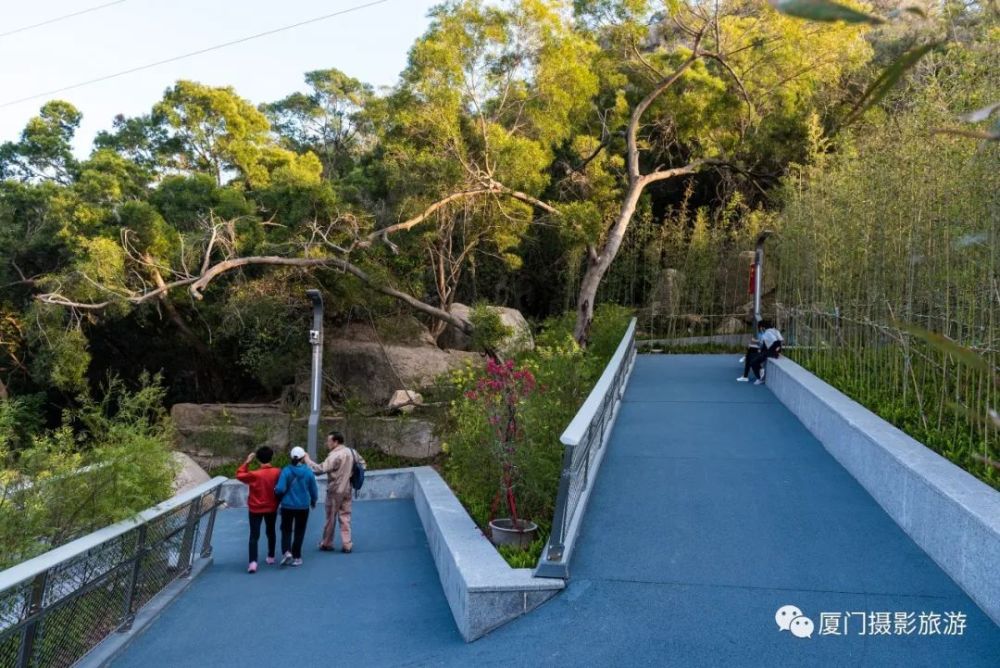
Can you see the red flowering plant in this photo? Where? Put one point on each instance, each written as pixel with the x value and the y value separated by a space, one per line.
pixel 501 393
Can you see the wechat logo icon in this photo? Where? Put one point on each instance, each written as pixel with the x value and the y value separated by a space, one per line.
pixel 790 618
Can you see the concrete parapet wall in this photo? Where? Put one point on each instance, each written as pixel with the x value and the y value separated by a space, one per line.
pixel 950 514
pixel 482 590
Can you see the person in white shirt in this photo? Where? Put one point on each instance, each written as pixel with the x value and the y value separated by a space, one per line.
pixel 769 345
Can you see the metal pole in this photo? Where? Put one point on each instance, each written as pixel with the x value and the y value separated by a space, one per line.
pixel 316 339
pixel 553 565
pixel 206 548
pixel 33 605
pixel 133 582
pixel 758 260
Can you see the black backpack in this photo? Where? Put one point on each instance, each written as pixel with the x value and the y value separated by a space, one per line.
pixel 357 473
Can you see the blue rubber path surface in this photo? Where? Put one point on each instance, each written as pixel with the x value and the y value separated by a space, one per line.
pixel 714 507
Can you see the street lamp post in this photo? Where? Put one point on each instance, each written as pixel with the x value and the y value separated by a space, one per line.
pixel 316 391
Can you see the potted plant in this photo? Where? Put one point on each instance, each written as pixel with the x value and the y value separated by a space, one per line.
pixel 501 392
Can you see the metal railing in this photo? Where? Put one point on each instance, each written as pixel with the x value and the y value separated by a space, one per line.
pixel 58 606
pixel 584 441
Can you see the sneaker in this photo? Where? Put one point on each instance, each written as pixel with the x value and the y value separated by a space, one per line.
pixel 296 562
pixel 759 381
pixel 270 561
pixel 742 379
pixel 286 558
pixel 742 360
pixel 252 568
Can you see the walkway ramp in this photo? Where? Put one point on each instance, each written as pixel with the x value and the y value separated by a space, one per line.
pixel 714 507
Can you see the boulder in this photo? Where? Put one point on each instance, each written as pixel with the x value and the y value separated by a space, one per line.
pixel 732 326
pixel 221 433
pixel 403 435
pixel 520 338
pixel 372 372
pixel 667 293
pixel 189 475
pixel 405 401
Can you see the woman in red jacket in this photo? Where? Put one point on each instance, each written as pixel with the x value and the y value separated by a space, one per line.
pixel 261 502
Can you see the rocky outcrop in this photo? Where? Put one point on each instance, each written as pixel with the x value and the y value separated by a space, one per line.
pixel 373 371
pixel 405 401
pixel 519 339
pixel 213 434
pixel 189 475
pixel 667 293
pixel 403 436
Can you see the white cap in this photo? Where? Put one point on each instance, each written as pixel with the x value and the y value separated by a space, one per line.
pixel 297 453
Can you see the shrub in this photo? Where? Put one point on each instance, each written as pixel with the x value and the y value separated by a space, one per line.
pixel 564 374
pixel 109 460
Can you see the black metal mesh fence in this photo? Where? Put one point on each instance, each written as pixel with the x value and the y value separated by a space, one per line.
pixel 60 611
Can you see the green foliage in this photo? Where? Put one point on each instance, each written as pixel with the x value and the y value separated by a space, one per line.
pixel 884 256
pixel 489 331
pixel 564 374
pixel 109 460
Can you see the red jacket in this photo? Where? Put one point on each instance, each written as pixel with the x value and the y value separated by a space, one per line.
pixel 261 482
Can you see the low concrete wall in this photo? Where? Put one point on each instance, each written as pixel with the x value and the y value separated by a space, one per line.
pixel 482 590
pixel 950 514
pixel 388 484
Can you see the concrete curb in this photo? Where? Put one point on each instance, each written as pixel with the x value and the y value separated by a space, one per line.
pixel 112 646
pixel 482 590
pixel 950 514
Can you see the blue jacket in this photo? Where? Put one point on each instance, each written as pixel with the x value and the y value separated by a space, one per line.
pixel 297 487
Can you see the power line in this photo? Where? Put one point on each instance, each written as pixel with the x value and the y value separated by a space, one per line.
pixel 60 18
pixel 194 53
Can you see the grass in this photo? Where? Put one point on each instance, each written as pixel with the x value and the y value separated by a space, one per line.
pixel 921 411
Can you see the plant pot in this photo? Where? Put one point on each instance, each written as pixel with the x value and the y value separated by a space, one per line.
pixel 504 532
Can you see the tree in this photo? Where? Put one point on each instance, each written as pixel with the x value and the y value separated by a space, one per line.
pixel 711 75
pixel 489 94
pixel 45 151
pixel 327 121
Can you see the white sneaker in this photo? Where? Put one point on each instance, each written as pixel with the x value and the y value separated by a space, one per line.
pixel 742 379
pixel 758 382
pixel 743 359
pixel 286 558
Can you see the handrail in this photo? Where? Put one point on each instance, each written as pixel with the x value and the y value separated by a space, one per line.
pixel 32 567
pixel 584 439
pixel 55 607
pixel 578 426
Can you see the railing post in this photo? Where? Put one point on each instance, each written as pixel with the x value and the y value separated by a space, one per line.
pixel 549 566
pixel 206 546
pixel 187 542
pixel 133 582
pixel 32 607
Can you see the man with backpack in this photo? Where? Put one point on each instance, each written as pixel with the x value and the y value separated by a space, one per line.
pixel 339 466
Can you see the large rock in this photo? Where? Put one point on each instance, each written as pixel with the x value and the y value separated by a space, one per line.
pixel 404 436
pixel 519 339
pixel 667 293
pixel 189 475
pixel 213 434
pixel 405 401
pixel 373 371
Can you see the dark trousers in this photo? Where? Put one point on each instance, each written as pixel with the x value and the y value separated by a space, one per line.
pixel 293 520
pixel 269 520
pixel 759 359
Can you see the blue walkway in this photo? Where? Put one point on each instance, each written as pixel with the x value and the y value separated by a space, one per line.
pixel 714 507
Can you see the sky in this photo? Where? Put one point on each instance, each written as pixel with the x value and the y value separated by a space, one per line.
pixel 370 44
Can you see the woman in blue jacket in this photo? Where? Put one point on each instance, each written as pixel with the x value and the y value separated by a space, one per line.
pixel 298 492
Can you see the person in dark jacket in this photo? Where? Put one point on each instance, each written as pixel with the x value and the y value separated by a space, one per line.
pixel 261 502
pixel 298 492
